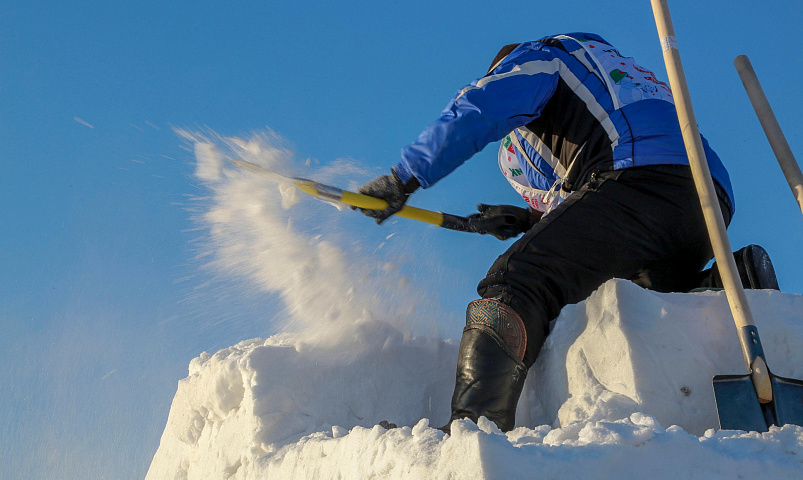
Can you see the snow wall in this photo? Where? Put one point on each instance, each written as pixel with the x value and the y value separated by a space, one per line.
pixel 622 388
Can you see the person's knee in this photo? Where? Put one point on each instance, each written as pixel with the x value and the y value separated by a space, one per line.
pixel 503 320
pixel 523 327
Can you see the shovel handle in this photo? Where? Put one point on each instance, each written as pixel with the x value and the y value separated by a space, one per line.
pixel 367 202
pixel 699 167
pixel 714 221
pixel 444 220
pixel 372 203
pixel 333 194
pixel 786 159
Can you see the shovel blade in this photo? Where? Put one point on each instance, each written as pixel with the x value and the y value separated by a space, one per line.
pixel 737 404
pixel 788 400
pixel 739 409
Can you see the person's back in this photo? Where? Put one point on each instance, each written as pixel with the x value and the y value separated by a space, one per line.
pixel 607 112
pixel 568 106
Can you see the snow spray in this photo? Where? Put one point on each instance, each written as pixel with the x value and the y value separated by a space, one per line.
pixel 329 278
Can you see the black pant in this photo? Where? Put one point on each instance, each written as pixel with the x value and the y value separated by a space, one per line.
pixel 643 224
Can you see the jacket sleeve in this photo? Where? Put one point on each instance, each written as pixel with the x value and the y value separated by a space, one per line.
pixel 485 111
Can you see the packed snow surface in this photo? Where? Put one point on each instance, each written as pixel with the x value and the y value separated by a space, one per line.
pixel 622 388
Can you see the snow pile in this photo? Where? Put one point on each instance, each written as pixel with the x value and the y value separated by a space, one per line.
pixel 622 388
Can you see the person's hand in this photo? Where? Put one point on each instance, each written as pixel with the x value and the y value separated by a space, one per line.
pixel 390 189
pixel 503 221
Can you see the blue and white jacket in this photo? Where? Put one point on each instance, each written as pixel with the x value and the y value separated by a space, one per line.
pixel 565 106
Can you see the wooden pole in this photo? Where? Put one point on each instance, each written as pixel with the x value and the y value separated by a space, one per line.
pixel 708 199
pixel 772 129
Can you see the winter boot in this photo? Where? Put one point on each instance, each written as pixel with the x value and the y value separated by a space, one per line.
pixel 490 371
pixel 755 270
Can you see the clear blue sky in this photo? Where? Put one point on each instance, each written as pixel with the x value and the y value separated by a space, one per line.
pixel 102 304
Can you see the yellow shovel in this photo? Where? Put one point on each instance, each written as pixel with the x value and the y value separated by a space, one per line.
pixel 333 194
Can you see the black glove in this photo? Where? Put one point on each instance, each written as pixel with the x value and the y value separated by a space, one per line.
pixel 390 189
pixel 503 221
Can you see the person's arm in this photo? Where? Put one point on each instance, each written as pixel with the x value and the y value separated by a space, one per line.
pixel 511 96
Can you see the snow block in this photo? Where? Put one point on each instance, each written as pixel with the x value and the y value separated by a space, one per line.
pixel 628 350
pixel 246 402
pixel 617 372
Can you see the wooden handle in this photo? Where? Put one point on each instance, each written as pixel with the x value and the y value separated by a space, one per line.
pixel 772 129
pixel 699 167
pixel 705 190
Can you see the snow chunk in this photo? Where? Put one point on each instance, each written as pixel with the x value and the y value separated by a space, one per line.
pixel 246 403
pixel 627 350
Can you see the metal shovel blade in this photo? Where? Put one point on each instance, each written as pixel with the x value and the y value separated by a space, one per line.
pixel 739 409
pixel 788 400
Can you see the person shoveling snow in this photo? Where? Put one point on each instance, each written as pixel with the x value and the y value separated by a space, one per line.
pixel 591 141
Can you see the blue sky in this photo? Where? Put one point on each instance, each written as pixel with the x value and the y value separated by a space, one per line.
pixel 102 302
